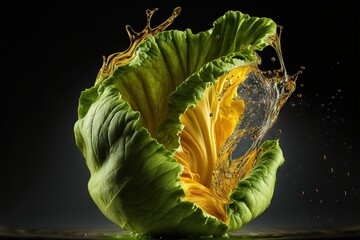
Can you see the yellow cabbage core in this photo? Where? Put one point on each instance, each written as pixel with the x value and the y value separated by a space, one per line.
pixel 207 128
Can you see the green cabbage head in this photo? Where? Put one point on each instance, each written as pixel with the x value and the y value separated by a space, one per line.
pixel 160 121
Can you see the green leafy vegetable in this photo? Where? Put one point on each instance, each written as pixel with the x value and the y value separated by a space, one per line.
pixel 145 132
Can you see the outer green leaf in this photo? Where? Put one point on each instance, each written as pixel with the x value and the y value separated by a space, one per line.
pixel 254 192
pixel 134 180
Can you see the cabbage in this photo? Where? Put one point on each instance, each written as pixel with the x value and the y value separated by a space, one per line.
pixel 141 122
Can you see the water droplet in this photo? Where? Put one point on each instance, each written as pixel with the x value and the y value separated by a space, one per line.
pixel 211 114
pixel 345 193
pixel 301 85
pixel 324 157
pixel 217 36
pixel 316 190
pixel 293 104
pixel 348 173
pixel 273 59
pixel 254 137
pixel 302 67
pixel 299 95
pixel 279 131
pixel 331 170
pixel 322 105
pixel 302 193
pixel 321 201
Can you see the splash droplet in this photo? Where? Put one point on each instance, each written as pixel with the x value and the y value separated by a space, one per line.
pixel 254 137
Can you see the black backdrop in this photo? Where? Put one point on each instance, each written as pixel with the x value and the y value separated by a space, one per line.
pixel 51 51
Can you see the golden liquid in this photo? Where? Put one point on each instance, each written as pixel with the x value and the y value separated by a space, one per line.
pixel 115 60
pixel 264 94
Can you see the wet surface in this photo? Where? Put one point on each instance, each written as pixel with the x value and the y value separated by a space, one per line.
pixel 349 232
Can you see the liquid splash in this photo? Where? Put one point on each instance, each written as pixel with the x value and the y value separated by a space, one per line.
pixel 264 94
pixel 119 59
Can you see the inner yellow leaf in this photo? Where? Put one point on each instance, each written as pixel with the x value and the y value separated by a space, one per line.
pixel 207 127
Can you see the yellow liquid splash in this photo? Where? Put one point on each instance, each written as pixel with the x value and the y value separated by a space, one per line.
pixel 115 60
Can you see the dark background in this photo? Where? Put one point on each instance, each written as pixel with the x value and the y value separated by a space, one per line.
pixel 50 52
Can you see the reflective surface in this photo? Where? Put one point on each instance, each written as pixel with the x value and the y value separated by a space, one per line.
pixel 348 232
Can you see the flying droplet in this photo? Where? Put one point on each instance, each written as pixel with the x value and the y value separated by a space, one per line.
pixel 217 36
pixel 299 95
pixel 345 193
pixel 273 59
pixel 331 170
pixel 302 193
pixel 348 173
pixel 324 157
pixel 302 67
pixel 316 190
pixel 293 104
pixel 279 131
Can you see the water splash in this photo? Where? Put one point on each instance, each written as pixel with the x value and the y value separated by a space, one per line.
pixel 264 94
pixel 119 59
